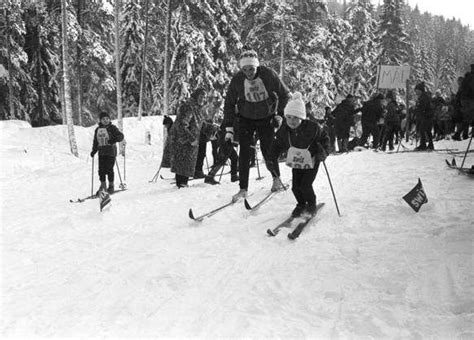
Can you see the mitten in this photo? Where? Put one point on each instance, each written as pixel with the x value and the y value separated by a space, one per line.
pixel 277 120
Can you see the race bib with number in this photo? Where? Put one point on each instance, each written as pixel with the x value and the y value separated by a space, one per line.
pixel 299 158
pixel 102 137
pixel 255 90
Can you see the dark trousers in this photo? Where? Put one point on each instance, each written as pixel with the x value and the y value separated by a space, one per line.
pixel 424 128
pixel 367 130
pixel 106 168
pixel 201 152
pixel 181 180
pixel 391 129
pixel 302 185
pixel 226 151
pixel 265 132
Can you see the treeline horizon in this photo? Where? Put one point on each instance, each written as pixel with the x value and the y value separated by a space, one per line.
pixel 168 48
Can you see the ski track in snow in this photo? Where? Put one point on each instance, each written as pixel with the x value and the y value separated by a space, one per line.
pixel 142 268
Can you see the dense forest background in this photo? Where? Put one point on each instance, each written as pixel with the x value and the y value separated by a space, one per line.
pixel 325 50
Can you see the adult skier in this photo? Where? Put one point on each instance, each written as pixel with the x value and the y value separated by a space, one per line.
pixel 260 96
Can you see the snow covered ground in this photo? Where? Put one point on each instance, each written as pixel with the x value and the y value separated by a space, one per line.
pixel 142 268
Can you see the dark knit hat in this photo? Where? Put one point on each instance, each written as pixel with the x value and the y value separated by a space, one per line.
pixel 198 92
pixel 103 114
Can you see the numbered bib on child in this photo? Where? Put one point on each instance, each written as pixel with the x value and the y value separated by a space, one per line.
pixel 299 158
pixel 255 90
pixel 102 137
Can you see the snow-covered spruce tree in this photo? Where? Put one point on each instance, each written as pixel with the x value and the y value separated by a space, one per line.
pixel 132 35
pixel 94 60
pixel 334 51
pixel 144 60
pixel 205 43
pixel 43 61
pixel 67 89
pixel 17 93
pixel 393 36
pixel 118 80
pixel 362 48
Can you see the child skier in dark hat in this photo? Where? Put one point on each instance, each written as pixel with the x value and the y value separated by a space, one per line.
pixel 307 144
pixel 105 137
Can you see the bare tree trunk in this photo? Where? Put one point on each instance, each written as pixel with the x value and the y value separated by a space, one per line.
pixel 142 76
pixel 117 72
pixel 11 113
pixel 67 91
pixel 282 51
pixel 79 66
pixel 166 61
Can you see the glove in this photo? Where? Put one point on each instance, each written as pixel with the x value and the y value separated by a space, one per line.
pixel 277 120
pixel 229 134
pixel 92 153
pixel 321 154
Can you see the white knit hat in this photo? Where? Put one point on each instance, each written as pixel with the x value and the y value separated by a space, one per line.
pixel 295 106
pixel 249 58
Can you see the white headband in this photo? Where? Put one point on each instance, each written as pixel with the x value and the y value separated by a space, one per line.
pixel 249 61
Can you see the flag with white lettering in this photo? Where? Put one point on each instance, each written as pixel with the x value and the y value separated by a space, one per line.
pixel 416 197
pixel 104 199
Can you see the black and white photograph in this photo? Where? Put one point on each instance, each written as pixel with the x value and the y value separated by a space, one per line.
pixel 237 169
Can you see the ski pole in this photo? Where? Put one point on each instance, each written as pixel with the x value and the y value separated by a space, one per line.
pixel 207 163
pixel 222 170
pixel 155 176
pixel 258 167
pixel 332 190
pixel 92 177
pixel 124 167
pixel 122 185
pixel 467 149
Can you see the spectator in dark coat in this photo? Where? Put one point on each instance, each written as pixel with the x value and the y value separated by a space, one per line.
pixel 329 120
pixel 105 137
pixel 372 111
pixel 183 142
pixel 467 102
pixel 423 117
pixel 457 114
pixel 392 122
pixel 344 114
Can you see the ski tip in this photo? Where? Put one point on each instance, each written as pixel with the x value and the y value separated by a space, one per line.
pixel 247 205
pixel 190 214
pixel 270 232
pixel 291 236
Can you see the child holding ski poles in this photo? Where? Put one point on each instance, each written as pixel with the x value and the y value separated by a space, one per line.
pixel 105 137
pixel 307 144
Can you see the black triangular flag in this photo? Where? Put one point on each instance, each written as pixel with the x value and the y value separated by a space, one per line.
pixel 416 197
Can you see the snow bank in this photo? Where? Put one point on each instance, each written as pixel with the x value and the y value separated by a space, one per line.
pixel 142 268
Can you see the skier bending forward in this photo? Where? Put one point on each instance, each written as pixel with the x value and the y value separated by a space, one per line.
pixel 307 144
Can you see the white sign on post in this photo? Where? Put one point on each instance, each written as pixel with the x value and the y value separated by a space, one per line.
pixel 392 77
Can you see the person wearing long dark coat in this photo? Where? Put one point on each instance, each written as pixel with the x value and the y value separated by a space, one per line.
pixel 182 145
pixel 344 114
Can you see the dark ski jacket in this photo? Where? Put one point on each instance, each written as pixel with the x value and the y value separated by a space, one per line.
pixel 372 111
pixel 393 113
pixel 308 134
pixel 105 137
pixel 467 87
pixel 255 105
